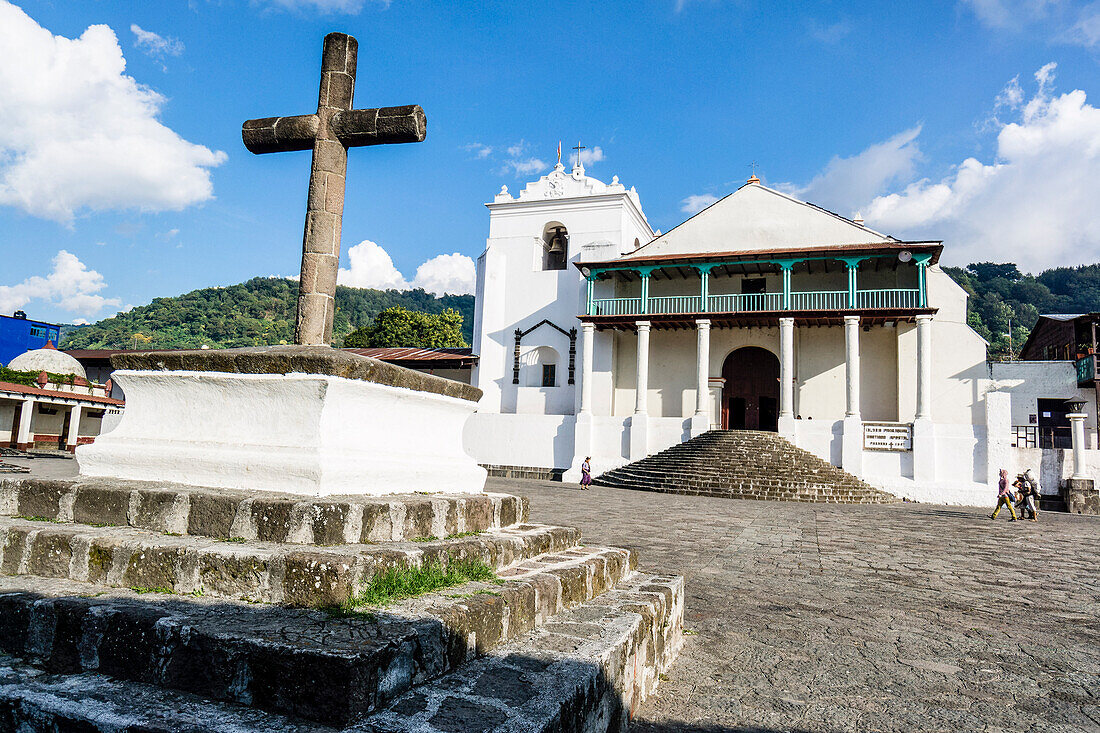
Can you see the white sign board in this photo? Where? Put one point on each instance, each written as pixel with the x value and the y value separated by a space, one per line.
pixel 887 436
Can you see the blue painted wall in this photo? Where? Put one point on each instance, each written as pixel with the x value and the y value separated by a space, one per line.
pixel 22 334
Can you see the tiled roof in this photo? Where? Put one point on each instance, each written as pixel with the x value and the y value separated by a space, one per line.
pixel 881 247
pixel 38 392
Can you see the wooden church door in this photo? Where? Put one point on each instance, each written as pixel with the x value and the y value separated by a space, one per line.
pixel 750 397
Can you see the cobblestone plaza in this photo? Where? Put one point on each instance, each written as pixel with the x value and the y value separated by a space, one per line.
pixel 884 618
pixel 812 617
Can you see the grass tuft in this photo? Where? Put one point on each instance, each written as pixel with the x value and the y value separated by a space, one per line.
pixel 31 518
pixel 429 538
pixel 141 589
pixel 458 535
pixel 395 584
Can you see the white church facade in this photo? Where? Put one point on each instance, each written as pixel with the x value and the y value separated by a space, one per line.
pixel 598 337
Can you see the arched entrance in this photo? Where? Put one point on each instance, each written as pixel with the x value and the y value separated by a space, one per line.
pixel 750 397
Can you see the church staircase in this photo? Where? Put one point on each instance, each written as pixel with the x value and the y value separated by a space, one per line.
pixel 744 464
pixel 133 606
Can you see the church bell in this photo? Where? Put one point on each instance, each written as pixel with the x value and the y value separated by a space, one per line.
pixel 558 241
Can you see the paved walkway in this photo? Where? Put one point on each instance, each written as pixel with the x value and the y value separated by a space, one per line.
pixel 870 618
pixel 827 618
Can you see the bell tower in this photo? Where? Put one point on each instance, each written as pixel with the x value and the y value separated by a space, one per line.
pixel 530 288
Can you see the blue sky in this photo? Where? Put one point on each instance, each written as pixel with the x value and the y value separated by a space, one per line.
pixel 123 176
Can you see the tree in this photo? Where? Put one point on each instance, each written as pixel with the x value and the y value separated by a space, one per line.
pixel 397 326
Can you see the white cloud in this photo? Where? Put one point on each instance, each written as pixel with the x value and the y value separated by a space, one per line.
pixel 321 6
pixel 478 149
pixel 1033 204
pixel 81 321
pixel 1054 20
pixel 697 202
pixel 372 267
pixel 520 162
pixel 71 285
pixel 1086 31
pixel 588 155
pixel 154 45
pixel 1009 13
pixel 453 273
pixel 854 180
pixel 77 134
pixel 828 33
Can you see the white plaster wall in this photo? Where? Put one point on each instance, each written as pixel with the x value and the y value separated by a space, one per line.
pixel 1052 466
pixel 1029 381
pixel 537 441
pixel 665 432
pixel 758 218
pixel 7 421
pixel 960 469
pixel 821 437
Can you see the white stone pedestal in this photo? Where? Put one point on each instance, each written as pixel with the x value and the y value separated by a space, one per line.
pixel 312 434
pixel 851 446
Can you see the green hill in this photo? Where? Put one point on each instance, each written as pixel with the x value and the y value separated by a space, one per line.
pixel 255 313
pixel 261 311
pixel 1000 292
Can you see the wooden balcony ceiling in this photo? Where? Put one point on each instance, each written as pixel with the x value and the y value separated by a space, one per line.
pixel 675 321
pixel 818 259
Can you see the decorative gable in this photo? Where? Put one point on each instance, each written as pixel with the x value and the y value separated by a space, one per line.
pixel 755 217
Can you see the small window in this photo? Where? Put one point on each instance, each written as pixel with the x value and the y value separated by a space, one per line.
pixel 752 285
pixel 38 332
pixel 549 375
pixel 53 335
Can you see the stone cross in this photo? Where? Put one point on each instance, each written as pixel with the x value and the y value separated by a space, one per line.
pixel 329 132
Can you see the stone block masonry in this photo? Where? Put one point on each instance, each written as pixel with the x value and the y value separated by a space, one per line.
pixel 101 599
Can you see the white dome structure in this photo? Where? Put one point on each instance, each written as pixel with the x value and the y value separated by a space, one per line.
pixel 47 359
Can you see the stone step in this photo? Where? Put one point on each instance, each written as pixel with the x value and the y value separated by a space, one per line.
pixel 332 669
pixel 736 479
pixel 743 464
pixel 32 701
pixel 222 514
pixel 587 670
pixel 252 571
pixel 755 496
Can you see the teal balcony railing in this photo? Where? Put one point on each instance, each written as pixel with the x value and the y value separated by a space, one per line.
pixel 830 300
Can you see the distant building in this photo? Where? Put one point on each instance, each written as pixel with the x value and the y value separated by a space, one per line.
pixel 61 410
pixel 19 334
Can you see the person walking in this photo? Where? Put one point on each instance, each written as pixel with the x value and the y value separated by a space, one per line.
pixel 586 473
pixel 1004 497
pixel 1028 495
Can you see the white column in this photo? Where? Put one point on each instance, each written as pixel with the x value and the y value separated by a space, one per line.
pixel 23 434
pixel 639 421
pixel 851 365
pixel 924 432
pixel 588 337
pixel 700 423
pixel 851 446
pixel 74 427
pixel 786 367
pixel 786 377
pixel 641 400
pixel 924 367
pixel 1077 433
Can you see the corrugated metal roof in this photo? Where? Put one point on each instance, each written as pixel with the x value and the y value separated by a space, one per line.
pixel 407 354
